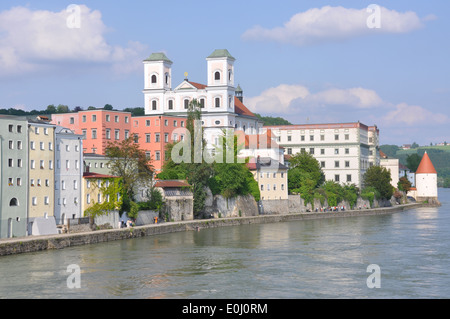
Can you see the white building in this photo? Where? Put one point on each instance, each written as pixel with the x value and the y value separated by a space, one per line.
pixel 221 103
pixel 392 165
pixel 68 174
pixel 344 150
pixel 426 179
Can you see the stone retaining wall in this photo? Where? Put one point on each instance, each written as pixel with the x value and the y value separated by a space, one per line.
pixel 32 244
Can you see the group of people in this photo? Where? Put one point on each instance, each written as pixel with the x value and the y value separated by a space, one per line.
pixel 129 223
pixel 331 209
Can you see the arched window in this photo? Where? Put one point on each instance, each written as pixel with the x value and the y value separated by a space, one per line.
pixel 202 103
pixel 167 78
pixel 154 105
pixel 170 106
pixel 217 100
pixel 229 75
pixel 14 202
pixel 217 76
pixel 154 80
pixel 186 104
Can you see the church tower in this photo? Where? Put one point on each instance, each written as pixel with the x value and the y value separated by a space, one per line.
pixel 158 80
pixel 426 180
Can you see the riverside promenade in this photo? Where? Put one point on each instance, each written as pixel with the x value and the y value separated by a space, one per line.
pixel 29 244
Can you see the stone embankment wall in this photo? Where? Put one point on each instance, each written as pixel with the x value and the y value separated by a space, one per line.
pixel 32 244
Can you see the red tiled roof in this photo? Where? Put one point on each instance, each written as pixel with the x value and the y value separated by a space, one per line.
pixel 260 144
pixel 198 85
pixel 426 166
pixel 171 183
pixel 97 175
pixel 241 109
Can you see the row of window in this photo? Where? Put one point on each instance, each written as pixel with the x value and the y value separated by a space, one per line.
pixel 261 175
pixel 274 187
pixel 100 198
pixel 18 145
pixel 202 102
pixel 322 151
pixel 107 118
pixel 11 128
pixel 311 138
pixel 337 178
pixel 336 164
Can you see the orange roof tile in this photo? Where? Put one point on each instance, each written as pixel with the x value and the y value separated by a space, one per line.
pixel 426 166
pixel 241 109
pixel 198 85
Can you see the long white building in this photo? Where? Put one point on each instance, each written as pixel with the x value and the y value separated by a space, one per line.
pixel 344 150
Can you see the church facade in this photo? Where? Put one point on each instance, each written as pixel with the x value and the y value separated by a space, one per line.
pixel 221 102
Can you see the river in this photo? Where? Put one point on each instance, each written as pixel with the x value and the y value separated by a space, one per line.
pixel 327 258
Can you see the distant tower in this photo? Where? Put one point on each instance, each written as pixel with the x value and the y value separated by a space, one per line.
pixel 426 180
pixel 240 94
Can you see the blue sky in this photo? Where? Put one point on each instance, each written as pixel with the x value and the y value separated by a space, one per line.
pixel 307 61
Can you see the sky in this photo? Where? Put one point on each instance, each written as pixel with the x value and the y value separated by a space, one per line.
pixel 383 63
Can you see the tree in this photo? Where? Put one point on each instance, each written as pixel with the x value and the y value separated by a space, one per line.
pixel 62 109
pixel 413 161
pixel 131 164
pixel 404 184
pixel 109 188
pixel 51 109
pixel 414 145
pixel 307 163
pixel 108 107
pixel 380 179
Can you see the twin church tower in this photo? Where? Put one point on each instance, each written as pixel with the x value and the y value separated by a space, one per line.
pixel 220 101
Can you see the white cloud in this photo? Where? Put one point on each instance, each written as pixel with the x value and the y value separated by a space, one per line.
pixel 410 115
pixel 336 23
pixel 292 98
pixel 35 40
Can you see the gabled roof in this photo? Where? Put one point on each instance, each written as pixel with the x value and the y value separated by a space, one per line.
pixel 198 85
pixel 426 166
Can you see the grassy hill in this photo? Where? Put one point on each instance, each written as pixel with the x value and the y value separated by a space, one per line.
pixel 439 155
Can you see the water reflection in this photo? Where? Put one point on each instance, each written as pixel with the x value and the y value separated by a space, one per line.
pixel 324 258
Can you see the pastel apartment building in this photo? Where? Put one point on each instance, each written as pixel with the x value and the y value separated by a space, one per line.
pixel 68 175
pixel 34 158
pixel 101 127
pixel 14 176
pixel 41 181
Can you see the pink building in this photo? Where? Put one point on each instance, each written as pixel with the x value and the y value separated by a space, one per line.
pixel 101 127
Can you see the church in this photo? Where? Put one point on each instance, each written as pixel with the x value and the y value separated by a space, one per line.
pixel 221 102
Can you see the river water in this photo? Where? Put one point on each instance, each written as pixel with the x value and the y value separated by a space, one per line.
pixel 326 258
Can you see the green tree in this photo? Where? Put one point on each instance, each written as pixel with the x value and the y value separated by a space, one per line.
pixel 62 109
pixel 414 145
pixel 413 161
pixel 108 107
pixel 109 188
pixel 51 109
pixel 131 164
pixel 404 184
pixel 307 163
pixel 380 179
